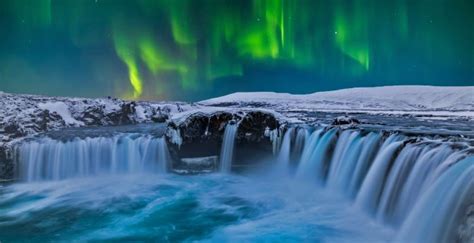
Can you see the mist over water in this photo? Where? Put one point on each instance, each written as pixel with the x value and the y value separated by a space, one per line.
pixel 175 208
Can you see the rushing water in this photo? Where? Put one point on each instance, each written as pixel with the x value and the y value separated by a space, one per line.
pixel 283 158
pixel 48 159
pixel 332 185
pixel 175 208
pixel 227 150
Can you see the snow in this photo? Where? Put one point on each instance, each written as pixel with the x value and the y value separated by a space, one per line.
pixel 61 109
pixel 386 98
pixel 180 117
pixel 140 113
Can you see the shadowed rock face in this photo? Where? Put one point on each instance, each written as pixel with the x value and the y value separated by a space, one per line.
pixel 202 135
pixel 203 128
pixel 253 125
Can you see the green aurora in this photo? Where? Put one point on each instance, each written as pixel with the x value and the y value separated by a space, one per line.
pixel 194 49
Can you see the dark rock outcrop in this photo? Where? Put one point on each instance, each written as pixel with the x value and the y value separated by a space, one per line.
pixel 201 135
pixel 253 125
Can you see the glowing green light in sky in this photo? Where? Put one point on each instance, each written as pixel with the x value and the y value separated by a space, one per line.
pixel 170 48
pixel 351 35
pixel 125 51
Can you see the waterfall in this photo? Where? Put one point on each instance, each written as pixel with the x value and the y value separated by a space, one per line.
pixel 283 159
pixel 49 159
pixel 428 164
pixel 372 186
pixel 420 187
pixel 314 159
pixel 348 148
pixel 436 216
pixel 227 149
pixel 389 177
pixel 370 145
pixel 301 137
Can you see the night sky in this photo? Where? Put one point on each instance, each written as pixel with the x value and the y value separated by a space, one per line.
pixel 191 50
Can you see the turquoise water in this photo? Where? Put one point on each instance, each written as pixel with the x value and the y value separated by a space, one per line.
pixel 154 207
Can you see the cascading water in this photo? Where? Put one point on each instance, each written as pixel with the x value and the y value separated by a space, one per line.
pixel 301 137
pixel 387 177
pixel 419 189
pixel 49 159
pixel 314 162
pixel 283 159
pixel 369 194
pixel 227 149
pixel 436 216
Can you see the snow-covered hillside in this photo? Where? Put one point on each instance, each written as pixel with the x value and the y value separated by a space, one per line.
pixel 388 98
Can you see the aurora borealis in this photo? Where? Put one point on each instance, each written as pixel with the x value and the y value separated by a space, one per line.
pixel 193 49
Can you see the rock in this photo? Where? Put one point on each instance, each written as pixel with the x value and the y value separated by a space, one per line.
pixel 345 120
pixel 93 116
pixel 253 125
pixel 159 117
pixel 123 116
pixel 200 135
pixel 14 130
pixel 202 127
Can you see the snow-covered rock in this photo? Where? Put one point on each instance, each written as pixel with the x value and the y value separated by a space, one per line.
pixel 62 110
pixel 23 115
